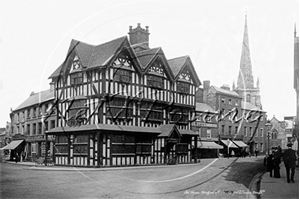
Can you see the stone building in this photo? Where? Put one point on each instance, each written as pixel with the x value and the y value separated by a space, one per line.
pixel 277 133
pixel 245 84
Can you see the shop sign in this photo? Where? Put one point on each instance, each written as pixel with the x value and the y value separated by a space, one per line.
pixel 36 137
pixel 204 124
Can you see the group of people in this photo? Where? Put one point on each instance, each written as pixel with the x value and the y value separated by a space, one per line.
pixel 289 158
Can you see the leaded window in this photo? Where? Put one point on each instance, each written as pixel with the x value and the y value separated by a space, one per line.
pixel 155 81
pixel 183 87
pixel 123 76
pixel 77 112
pixel 119 109
pixel 76 78
pixel 179 116
pixel 151 112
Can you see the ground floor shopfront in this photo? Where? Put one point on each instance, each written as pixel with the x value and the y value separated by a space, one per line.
pixel 36 147
pixel 117 145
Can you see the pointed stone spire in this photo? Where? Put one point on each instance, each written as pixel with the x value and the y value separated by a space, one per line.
pixel 233 85
pixel 257 83
pixel 245 79
pixel 295 32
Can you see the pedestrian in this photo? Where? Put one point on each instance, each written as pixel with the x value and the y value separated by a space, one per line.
pixel 16 157
pixel 256 152
pixel 289 159
pixel 270 164
pixel 277 161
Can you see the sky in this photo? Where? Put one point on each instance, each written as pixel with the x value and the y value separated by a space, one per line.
pixel 35 36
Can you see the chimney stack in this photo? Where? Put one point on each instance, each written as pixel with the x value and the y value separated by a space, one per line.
pixel 139 36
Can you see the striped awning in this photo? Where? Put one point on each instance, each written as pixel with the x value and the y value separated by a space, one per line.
pixel 240 143
pixel 229 144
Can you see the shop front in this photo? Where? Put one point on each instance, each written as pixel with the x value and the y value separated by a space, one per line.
pixel 36 146
pixel 16 148
pixel 117 145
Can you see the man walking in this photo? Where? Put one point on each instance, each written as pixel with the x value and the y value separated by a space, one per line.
pixel 289 159
pixel 276 162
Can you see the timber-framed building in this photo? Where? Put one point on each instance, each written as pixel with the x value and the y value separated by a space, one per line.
pixel 123 103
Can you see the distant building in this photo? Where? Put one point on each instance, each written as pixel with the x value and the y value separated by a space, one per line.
pixel 207 127
pixel 296 86
pixel 289 132
pixel 2 137
pixel 29 122
pixel 245 84
pixel 278 134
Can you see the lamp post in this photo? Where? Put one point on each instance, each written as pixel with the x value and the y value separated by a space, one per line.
pixel 269 126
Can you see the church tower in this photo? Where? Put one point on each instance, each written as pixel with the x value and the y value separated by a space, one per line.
pixel 245 83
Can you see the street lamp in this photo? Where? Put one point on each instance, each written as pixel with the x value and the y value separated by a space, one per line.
pixel 269 126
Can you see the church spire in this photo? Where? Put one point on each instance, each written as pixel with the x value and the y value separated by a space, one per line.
pixel 245 79
pixel 295 32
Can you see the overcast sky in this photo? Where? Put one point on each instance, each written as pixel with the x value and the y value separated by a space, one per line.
pixel 35 36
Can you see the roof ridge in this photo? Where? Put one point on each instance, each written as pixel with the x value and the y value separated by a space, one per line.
pixel 110 41
pixel 179 57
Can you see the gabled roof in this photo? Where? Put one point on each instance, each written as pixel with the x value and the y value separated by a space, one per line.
pixel 249 106
pixel 178 64
pixel 226 92
pixel 37 98
pixel 203 107
pixel 167 129
pixel 104 52
pixel 146 56
pixel 92 56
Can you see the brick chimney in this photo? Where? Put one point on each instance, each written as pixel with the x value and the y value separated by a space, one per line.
pixel 206 86
pixel 139 36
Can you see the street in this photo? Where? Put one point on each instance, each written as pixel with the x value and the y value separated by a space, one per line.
pixel 212 178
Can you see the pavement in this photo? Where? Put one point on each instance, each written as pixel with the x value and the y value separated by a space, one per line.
pixel 262 185
pixel 278 187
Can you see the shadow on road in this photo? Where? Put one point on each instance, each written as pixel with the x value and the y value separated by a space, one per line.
pixel 243 172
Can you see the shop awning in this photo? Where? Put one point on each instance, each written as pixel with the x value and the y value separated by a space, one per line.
pixel 240 143
pixel 208 145
pixel 230 144
pixel 14 144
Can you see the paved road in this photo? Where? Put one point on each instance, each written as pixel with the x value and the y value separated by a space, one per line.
pixel 212 178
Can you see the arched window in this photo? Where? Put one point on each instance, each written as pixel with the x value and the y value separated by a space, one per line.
pixel 248 98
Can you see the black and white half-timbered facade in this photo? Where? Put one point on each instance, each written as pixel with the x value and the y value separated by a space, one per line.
pixel 122 103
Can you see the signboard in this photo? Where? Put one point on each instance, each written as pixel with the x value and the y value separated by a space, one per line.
pixel 43 148
pixel 203 124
